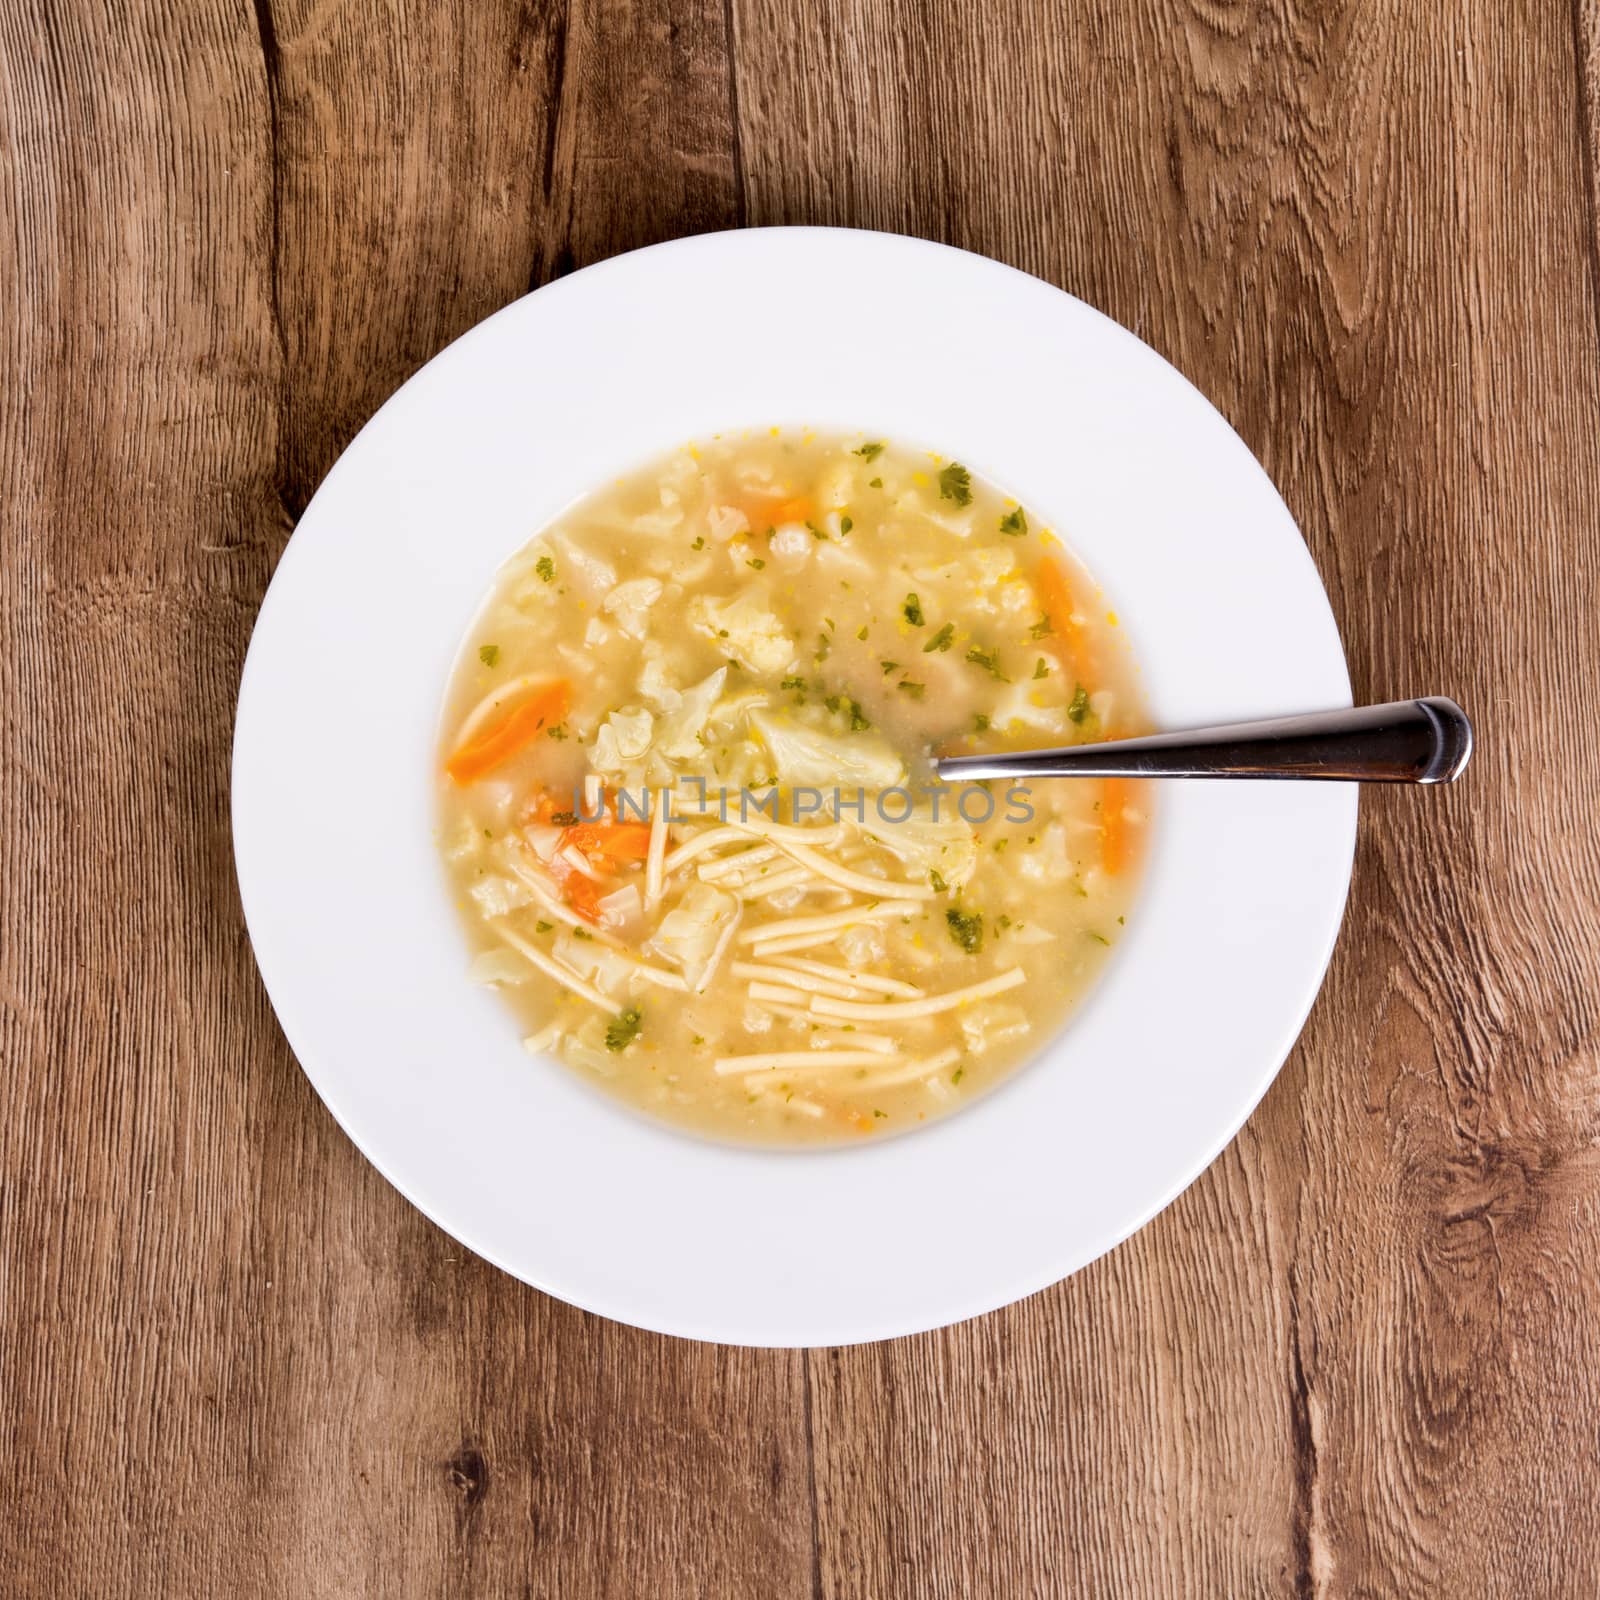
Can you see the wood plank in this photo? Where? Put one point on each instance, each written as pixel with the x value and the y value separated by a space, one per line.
pixel 1362 232
pixel 237 1360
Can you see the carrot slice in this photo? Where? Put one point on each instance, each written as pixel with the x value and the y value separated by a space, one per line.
pixel 1116 837
pixel 614 841
pixel 583 895
pixel 503 738
pixel 1071 641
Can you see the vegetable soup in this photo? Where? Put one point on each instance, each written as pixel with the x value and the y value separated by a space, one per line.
pixel 686 794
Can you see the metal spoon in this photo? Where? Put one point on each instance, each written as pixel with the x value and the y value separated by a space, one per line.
pixel 1406 741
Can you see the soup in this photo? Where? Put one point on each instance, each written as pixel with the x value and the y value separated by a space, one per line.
pixel 686 793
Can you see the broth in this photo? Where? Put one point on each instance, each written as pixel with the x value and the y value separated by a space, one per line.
pixel 686 801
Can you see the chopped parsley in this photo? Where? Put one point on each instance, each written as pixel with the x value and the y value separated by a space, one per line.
pixel 581 933
pixel 989 661
pixel 793 683
pixel 1078 708
pixel 824 645
pixel 883 1114
pixel 543 927
pixel 875 483
pixel 958 1075
pixel 980 723
pixel 756 562
pixel 915 690
pixel 815 531
pixel 858 718
pixel 871 450
pixel 913 611
pixel 489 654
pixel 545 567
pixel 1041 629
pixel 1040 670
pixel 565 819
pixel 1099 938
pixel 624 1029
pixel 940 640
pixel 966 928
pixel 699 543
pixel 888 667
pixel 863 632
pixel 845 525
pixel 1014 521
pixel 955 483
pixel 557 730
pixel 936 879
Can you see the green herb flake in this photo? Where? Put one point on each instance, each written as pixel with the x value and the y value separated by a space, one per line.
pixel 1040 670
pixel 845 524
pixel 829 622
pixel 913 611
pixel 875 483
pixel 958 1075
pixel 581 933
pixel 940 640
pixel 698 1039
pixel 1000 845
pixel 915 690
pixel 980 723
pixel 871 450
pixel 858 718
pixel 792 683
pixel 1002 921
pixel 1014 522
pixel 565 819
pixel 966 928
pixel 863 633
pixel 888 667
pixel 883 1114
pixel 1078 707
pixel 815 531
pixel 955 483
pixel 756 562
pixel 545 567
pixel 699 544
pixel 489 655
pixel 936 879
pixel 1041 629
pixel 624 1029
pixel 988 661
pixel 824 645
pixel 1099 938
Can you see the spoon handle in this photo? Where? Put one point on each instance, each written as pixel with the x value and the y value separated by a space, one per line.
pixel 1406 741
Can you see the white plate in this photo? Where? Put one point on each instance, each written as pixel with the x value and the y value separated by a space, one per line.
pixel 333 787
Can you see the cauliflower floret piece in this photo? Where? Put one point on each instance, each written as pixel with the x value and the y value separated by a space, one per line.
pixel 745 629
pixel 654 685
pixel 791 545
pixel 946 846
pixel 589 574
pixel 724 522
pixel 623 737
pixel 630 604
pixel 495 896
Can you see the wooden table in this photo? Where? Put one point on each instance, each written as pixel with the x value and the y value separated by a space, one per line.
pixel 1360 1357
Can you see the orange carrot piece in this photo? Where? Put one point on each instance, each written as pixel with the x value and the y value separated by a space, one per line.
pixel 504 738
pixel 1056 594
pixel 583 895
pixel 1116 837
pixel 797 509
pixel 616 841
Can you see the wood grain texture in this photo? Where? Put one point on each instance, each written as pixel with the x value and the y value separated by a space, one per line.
pixel 1360 1357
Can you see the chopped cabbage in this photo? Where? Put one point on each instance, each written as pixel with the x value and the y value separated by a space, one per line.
pixel 622 738
pixel 805 755
pixel 498 966
pixel 688 934
pixel 679 736
pixel 630 604
pixel 495 896
pixel 926 846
